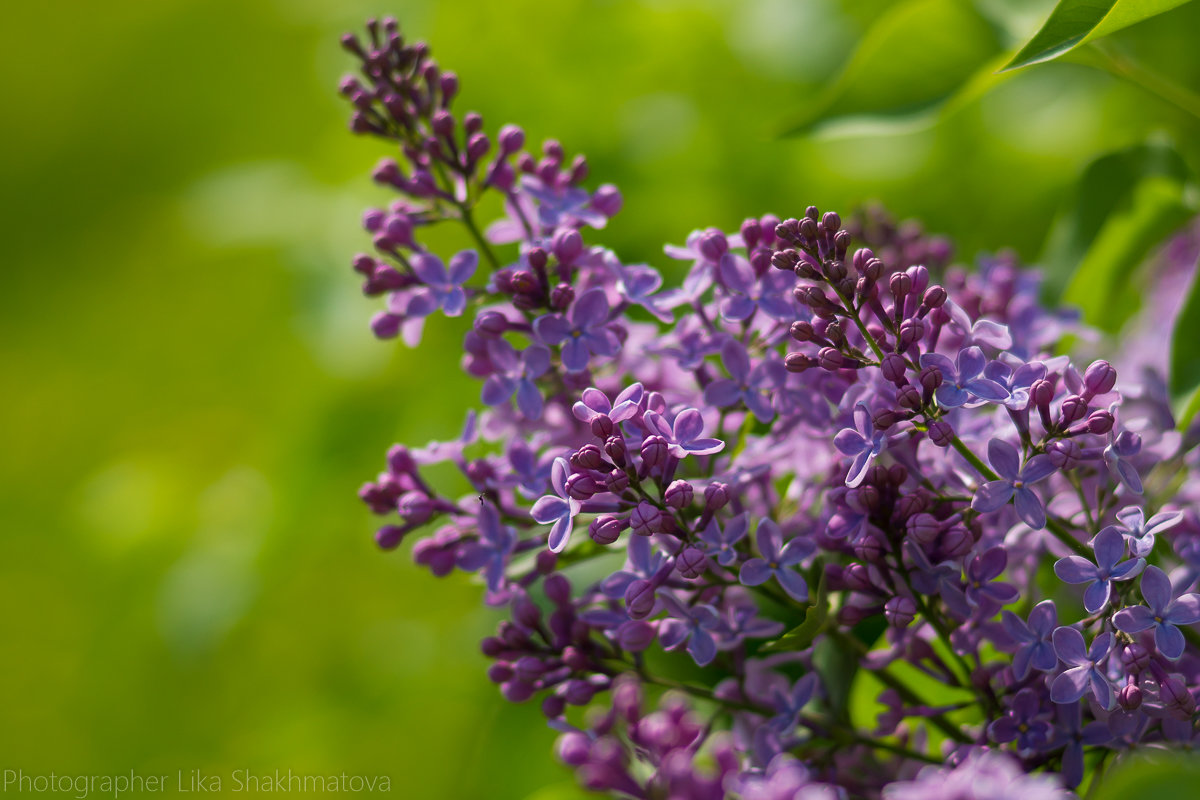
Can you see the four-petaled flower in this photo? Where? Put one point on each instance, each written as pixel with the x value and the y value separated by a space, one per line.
pixel 683 436
pixel 1119 453
pixel 516 373
pixel 637 284
pixel 1022 723
pixel 1141 531
pixel 693 624
pixel 1109 546
pixel 1014 482
pixel 964 384
pixel 443 288
pixel 583 332
pixel 750 386
pixel 558 508
pixel 981 572
pixel 789 704
pixel 722 545
pixel 862 443
pixel 777 561
pixel 1034 647
pixel 1085 671
pixel 1160 613
pixel 492 550
pixel 595 403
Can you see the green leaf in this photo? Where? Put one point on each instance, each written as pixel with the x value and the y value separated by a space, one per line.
pixel 1184 381
pixel 1126 203
pixel 1161 776
pixel 916 56
pixel 803 634
pixel 1077 22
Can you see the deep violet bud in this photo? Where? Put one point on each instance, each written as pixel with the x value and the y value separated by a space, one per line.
pixel 639 598
pixel 490 323
pixel 614 448
pixel 924 528
pixel 558 589
pixel 785 259
pixel 931 378
pixel 605 529
pixel 941 434
pixel 561 296
pixel 607 200
pixel 798 362
pixel 653 451
pixel 1099 378
pixel 1100 421
pixel 567 245
pixel 908 397
pixel 802 331
pixel 692 563
pixel 602 426
pixel 1129 697
pixel 511 139
pixel 957 541
pixel 900 285
pixel 884 418
pixel 546 562
pixel 716 497
pixel 645 519
pixel 616 481
pixel 935 297
pixel 588 457
pixel 388 537
pixel 1064 453
pixel 900 611
pixel 1135 658
pixel 553 706
pixel 525 612
pixel 1073 409
pixel 679 494
pixel 582 486
pixel 830 359
pixel 1041 392
pixel 893 367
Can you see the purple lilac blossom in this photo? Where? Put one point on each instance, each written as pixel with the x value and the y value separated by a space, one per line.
pixel 1109 547
pixel 1161 613
pixel 1014 482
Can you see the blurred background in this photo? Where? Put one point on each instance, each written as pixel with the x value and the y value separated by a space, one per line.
pixel 192 396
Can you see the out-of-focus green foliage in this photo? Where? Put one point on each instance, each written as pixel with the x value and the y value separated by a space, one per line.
pixel 191 395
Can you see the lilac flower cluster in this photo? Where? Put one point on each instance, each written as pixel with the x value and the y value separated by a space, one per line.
pixel 719 514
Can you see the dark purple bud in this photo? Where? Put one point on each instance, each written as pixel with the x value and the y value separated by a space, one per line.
pixel 602 426
pixel 1100 421
pixel 869 549
pixel 517 691
pixel 472 122
pixel 567 245
pixel 1130 697
pixel 792 362
pixel 691 563
pixel 605 529
pixel 940 433
pixel 415 507
pixel 561 296
pixel 716 497
pixel 831 221
pixel 545 562
pixel 957 541
pixel 897 475
pixel 385 325
pixel 576 659
pixel 616 481
pixel 1041 392
pixel 1099 378
pixel 908 505
pixel 920 278
pixel 525 612
pixel 490 323
pixel 873 269
pixel 835 270
pixel 573 748
pixel 511 139
pixel 1173 692
pixel 679 494
pixel 500 672
pixel 653 451
pixel 911 331
pixel 1073 409
pixel 400 460
pixel 713 244
pixel 645 519
pixel 578 692
pixel 442 123
pixel 885 418
pixel 908 397
pixel 558 589
pixel 639 599
pixel 537 258
pixel 1064 453
pixel 588 457
pixel 389 536
pixel 582 486
pixel 858 578
pixel 893 367
pixel 830 359
pixel 785 259
pixel 553 706
pixel 478 146
pixel 1135 657
pixel 636 635
pixel 924 528
pixel 614 448
pixel 900 285
pixel 801 330
pixel 841 243
pixel 935 297
pixel 931 378
pixel 449 87
pixel 900 611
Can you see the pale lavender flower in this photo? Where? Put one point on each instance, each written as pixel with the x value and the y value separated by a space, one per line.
pixel 1023 723
pixel 777 561
pixel 693 624
pixel 1014 482
pixel 1033 639
pixel 558 509
pixel 1161 613
pixel 583 332
pixel 562 204
pixel 1085 670
pixel 595 403
pixel 722 544
pixel 492 550
pixel 981 574
pixel 789 704
pixel 1016 382
pixel 638 284
pixel 750 386
pixel 1141 532
pixel 443 288
pixel 683 436
pixel 861 443
pixel 516 373
pixel 1121 449
pixel 1109 546
pixel 963 383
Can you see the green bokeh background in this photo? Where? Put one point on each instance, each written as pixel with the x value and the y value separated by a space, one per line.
pixel 190 394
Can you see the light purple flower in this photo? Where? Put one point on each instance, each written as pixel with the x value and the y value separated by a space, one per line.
pixel 557 509
pixel 982 331
pixel 964 383
pixel 721 545
pixel 638 283
pixel 1161 613
pixel 1075 735
pixel 583 332
pixel 861 443
pixel 790 704
pixel 683 437
pixel 777 561
pixel 443 288
pixel 1109 546
pixel 1016 382
pixel 1121 449
pixel 595 403
pixel 982 571
pixel 750 386
pixel 643 560
pixel 692 624
pixel 1085 671
pixel 772 292
pixel 1140 532
pixel 1034 647
pixel 562 205
pixel 492 550
pixel 1022 723
pixel 1014 482
pixel 516 373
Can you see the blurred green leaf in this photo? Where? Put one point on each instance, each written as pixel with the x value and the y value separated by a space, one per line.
pixel 1125 203
pixel 913 59
pixel 1076 22
pixel 803 634
pixel 1162 777
pixel 1184 380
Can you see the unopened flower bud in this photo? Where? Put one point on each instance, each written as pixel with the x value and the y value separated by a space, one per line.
pixel 639 598
pixel 908 397
pixel 801 330
pixel 645 519
pixel 602 426
pixel 1099 378
pixel 931 378
pixel 924 528
pixel 957 541
pixel 691 563
pixel 1064 453
pixel 607 200
pixel 831 221
pixel 785 259
pixel 1100 421
pixel 587 457
pixel 712 245
pixel 830 359
pixel 581 486
pixel 792 362
pixel 679 494
pixel 616 481
pixel 900 611
pixel 893 367
pixel 1130 697
pixel 716 497
pixel 940 433
pixel 511 139
pixel 1073 409
pixel 1135 658
pixel 653 451
pixel 884 418
pixel 614 448
pixel 935 297
pixel 900 285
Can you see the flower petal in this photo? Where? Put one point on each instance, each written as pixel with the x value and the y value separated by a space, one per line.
pixel 1004 458
pixel 1134 619
pixel 1169 641
pixel 1156 588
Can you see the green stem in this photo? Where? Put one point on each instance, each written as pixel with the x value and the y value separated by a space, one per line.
pixel 1061 533
pixel 469 220
pixel 974 460
pixel 862 328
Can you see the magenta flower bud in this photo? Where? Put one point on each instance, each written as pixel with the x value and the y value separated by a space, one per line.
pixel 561 296
pixel 582 486
pixel 639 598
pixel 492 647
pixel 900 611
pixel 635 635
pixel 835 270
pixel 911 331
pixel 558 589
pixel 792 362
pixel 576 659
pixel 884 418
pixel 1130 697
pixel 935 297
pixel 1073 409
pixel 490 323
pixel 830 359
pixel 941 434
pixel 957 542
pixel 500 672
pixel 645 519
pixel 1099 378
pixel 545 562
pixel 712 245
pixel 873 269
pixel 860 258
pixel 831 221
pixel 578 692
pixel 588 457
pixel 924 528
pixel 616 481
pixel 920 278
pixel 691 563
pixel 400 460
pixel 602 426
pixel 716 497
pixel 869 549
pixel 931 378
pixel 808 229
pixel 573 748
pixel 567 245
pixel 511 139
pixel 415 507
pixel 908 397
pixel 525 612
pixel 785 259
pixel 1135 658
pixel 679 494
pixel 1174 693
pixel 516 691
pixel 852 615
pixel 605 529
pixel 537 258
pixel 449 86
pixel 653 451
pixel 893 367
pixel 1041 392
pixel 389 537
pixel 442 123
pixel 908 505
pixel 385 325
pixel 802 331
pixel 858 577
pixel 614 448
pixel 478 146
pixel 841 243
pixel 365 265
pixel 553 706
pixel 1064 453
pixel 1100 421
pixel 607 200
pixel 900 285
